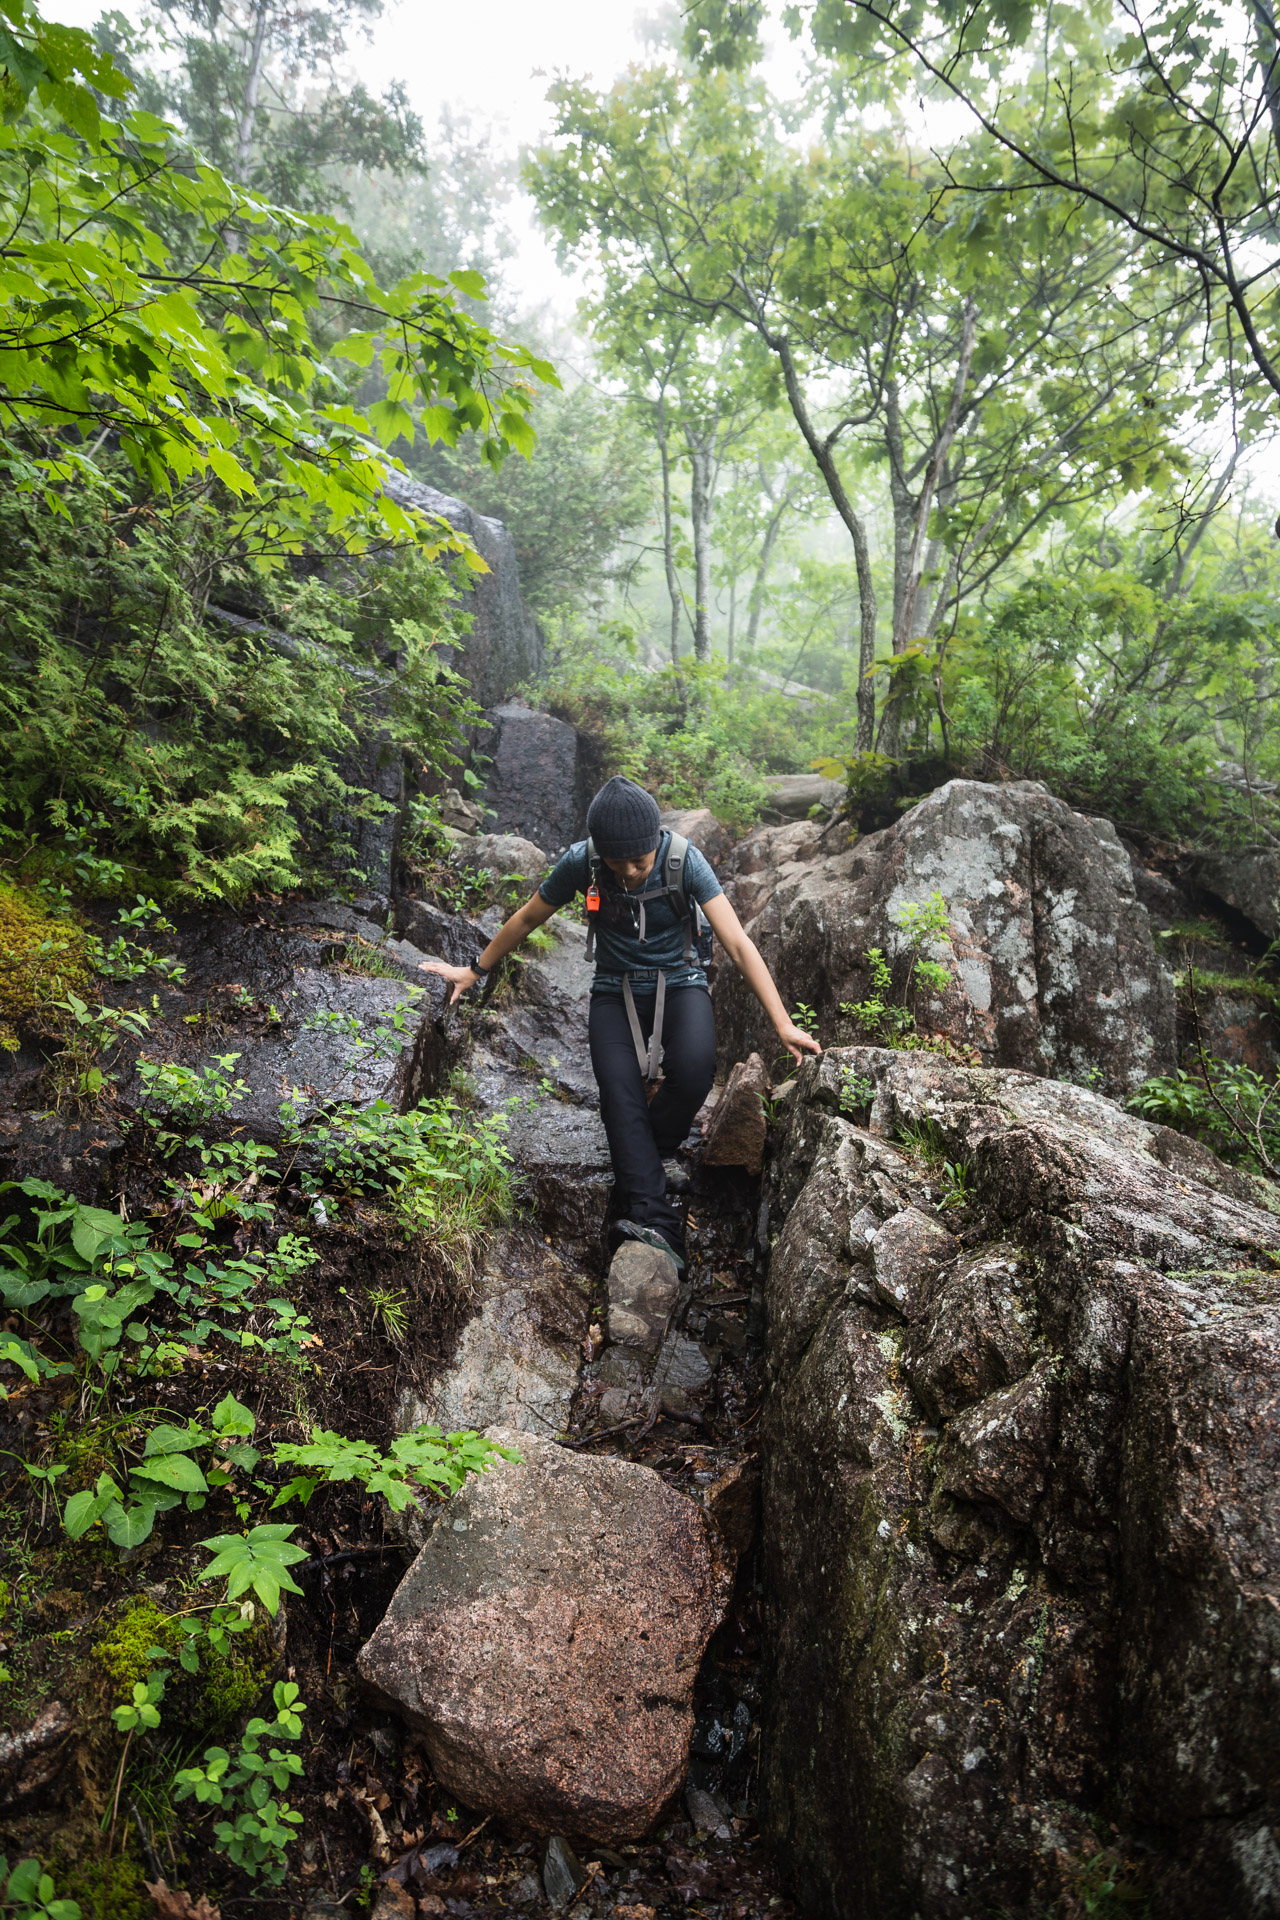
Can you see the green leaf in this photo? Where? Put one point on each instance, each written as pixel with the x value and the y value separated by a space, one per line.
pixel 175 1470
pixel 170 1439
pixel 232 1416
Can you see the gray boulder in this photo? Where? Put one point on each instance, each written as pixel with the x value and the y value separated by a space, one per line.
pixel 545 1640
pixel 758 865
pixel 504 854
pixel 701 829
pixel 795 795
pixel 504 646
pixel 531 786
pixel 1022 1548
pixel 1052 963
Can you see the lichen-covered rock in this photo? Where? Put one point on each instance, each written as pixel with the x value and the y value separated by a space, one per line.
pixel 1050 953
pixel 544 1642
pixel 1021 1537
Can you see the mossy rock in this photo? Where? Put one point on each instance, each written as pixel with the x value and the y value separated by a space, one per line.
pixel 225 1687
pixel 42 959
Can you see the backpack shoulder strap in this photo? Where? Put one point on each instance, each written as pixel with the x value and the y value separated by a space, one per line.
pixel 593 880
pixel 675 880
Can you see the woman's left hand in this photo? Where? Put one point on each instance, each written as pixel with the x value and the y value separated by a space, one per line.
pixel 796 1041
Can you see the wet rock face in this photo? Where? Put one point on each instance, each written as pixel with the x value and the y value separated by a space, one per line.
pixel 1022 1547
pixel 504 646
pixel 1051 954
pixel 544 1642
pixel 531 787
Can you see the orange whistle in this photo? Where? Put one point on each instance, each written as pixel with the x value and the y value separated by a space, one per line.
pixel 593 899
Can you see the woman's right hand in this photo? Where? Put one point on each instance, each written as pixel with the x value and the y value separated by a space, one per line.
pixel 462 977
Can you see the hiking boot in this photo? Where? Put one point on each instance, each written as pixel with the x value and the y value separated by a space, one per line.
pixel 631 1230
pixel 678 1180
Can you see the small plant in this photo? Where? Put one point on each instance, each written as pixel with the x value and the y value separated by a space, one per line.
pixel 28 1893
pixel 924 1139
pixel 259 1826
pixel 165 1477
pixel 94 1032
pixel 192 1094
pixel 883 1017
pixel 856 1091
pixel 1225 1104
pixel 957 1183
pixel 391 1306
pixel 257 1560
pixel 805 1018
pixel 422 1457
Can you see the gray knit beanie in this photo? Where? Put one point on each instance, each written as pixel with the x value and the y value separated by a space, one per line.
pixel 623 820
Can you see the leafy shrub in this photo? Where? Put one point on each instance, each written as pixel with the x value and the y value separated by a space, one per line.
pixel 259 1827
pixel 1228 1106
pixel 701 734
pixel 441 1174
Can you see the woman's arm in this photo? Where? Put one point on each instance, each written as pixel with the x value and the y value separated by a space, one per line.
pixel 509 935
pixel 745 954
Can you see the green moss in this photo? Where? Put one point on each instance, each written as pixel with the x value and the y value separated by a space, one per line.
pixel 123 1652
pixel 226 1685
pixel 42 959
pixel 231 1682
pixel 106 1889
pixel 1245 985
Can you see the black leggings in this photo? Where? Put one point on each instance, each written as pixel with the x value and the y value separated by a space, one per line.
pixel 640 1133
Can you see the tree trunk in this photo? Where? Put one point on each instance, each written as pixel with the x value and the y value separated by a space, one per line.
pixel 700 514
pixel 911 526
pixel 825 460
pixel 770 541
pixel 252 83
pixel 668 540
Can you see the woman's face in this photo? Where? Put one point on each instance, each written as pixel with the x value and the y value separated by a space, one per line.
pixel 633 873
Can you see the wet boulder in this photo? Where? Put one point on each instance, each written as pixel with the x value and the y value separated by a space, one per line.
pixel 545 1640
pixel 1049 953
pixel 1249 882
pixel 1021 1543
pixel 502 646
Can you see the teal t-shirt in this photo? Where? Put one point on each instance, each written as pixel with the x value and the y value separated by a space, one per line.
pixel 619 951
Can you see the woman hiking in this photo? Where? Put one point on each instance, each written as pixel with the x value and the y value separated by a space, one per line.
pixel 651 1027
